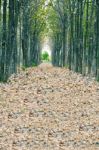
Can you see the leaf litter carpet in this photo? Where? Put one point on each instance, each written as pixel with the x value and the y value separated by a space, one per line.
pixel 49 108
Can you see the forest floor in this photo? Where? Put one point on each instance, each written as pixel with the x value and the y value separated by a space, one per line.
pixel 49 108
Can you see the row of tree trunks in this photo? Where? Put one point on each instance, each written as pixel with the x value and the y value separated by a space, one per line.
pixel 79 26
pixel 17 36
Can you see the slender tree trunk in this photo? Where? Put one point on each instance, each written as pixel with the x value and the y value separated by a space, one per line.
pixel 4 35
pixel 97 39
pixel 25 34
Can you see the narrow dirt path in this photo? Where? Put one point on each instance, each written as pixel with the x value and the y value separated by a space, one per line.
pixel 48 108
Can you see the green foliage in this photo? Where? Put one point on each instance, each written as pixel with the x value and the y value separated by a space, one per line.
pixel 23 68
pixel 45 56
pixel 34 65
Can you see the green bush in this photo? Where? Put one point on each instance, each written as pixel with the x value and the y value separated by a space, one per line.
pixel 34 65
pixel 23 68
pixel 45 56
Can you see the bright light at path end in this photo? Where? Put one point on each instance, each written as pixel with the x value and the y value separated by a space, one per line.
pixel 46 46
pixel 47 49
